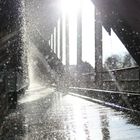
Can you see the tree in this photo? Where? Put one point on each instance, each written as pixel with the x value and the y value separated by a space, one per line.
pixel 113 62
pixel 128 61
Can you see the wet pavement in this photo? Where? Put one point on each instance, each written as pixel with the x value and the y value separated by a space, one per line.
pixel 44 114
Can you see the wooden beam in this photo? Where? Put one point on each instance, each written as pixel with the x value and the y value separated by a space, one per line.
pixel 98 49
pixel 79 38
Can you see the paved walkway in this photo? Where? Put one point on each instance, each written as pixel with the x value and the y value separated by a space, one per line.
pixel 46 115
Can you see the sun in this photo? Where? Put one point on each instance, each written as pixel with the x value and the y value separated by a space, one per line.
pixel 69 7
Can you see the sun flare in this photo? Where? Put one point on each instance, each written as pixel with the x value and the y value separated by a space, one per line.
pixel 70 6
pixel 71 9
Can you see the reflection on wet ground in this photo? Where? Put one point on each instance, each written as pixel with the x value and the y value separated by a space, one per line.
pixel 46 115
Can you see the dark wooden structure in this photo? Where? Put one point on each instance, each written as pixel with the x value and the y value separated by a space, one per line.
pixel 13 56
pixel 123 18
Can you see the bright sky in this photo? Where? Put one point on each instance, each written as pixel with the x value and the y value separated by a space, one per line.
pixel 88 32
pixel 111 44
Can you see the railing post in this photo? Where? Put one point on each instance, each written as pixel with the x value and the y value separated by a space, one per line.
pixel 98 49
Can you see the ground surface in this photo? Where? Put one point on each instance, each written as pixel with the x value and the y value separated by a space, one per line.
pixel 43 114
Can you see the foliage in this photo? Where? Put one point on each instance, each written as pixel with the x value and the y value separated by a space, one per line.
pixel 113 62
pixel 116 62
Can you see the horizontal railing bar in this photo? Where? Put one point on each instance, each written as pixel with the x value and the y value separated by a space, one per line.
pixel 114 70
pixel 103 102
pixel 106 91
pixel 123 80
pixel 122 69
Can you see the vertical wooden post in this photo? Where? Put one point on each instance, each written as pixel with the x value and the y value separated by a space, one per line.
pixel 52 46
pixel 57 41
pixel 49 42
pixel 98 49
pixel 61 39
pixel 139 78
pixel 67 82
pixel 67 42
pixel 79 37
pixel 54 40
